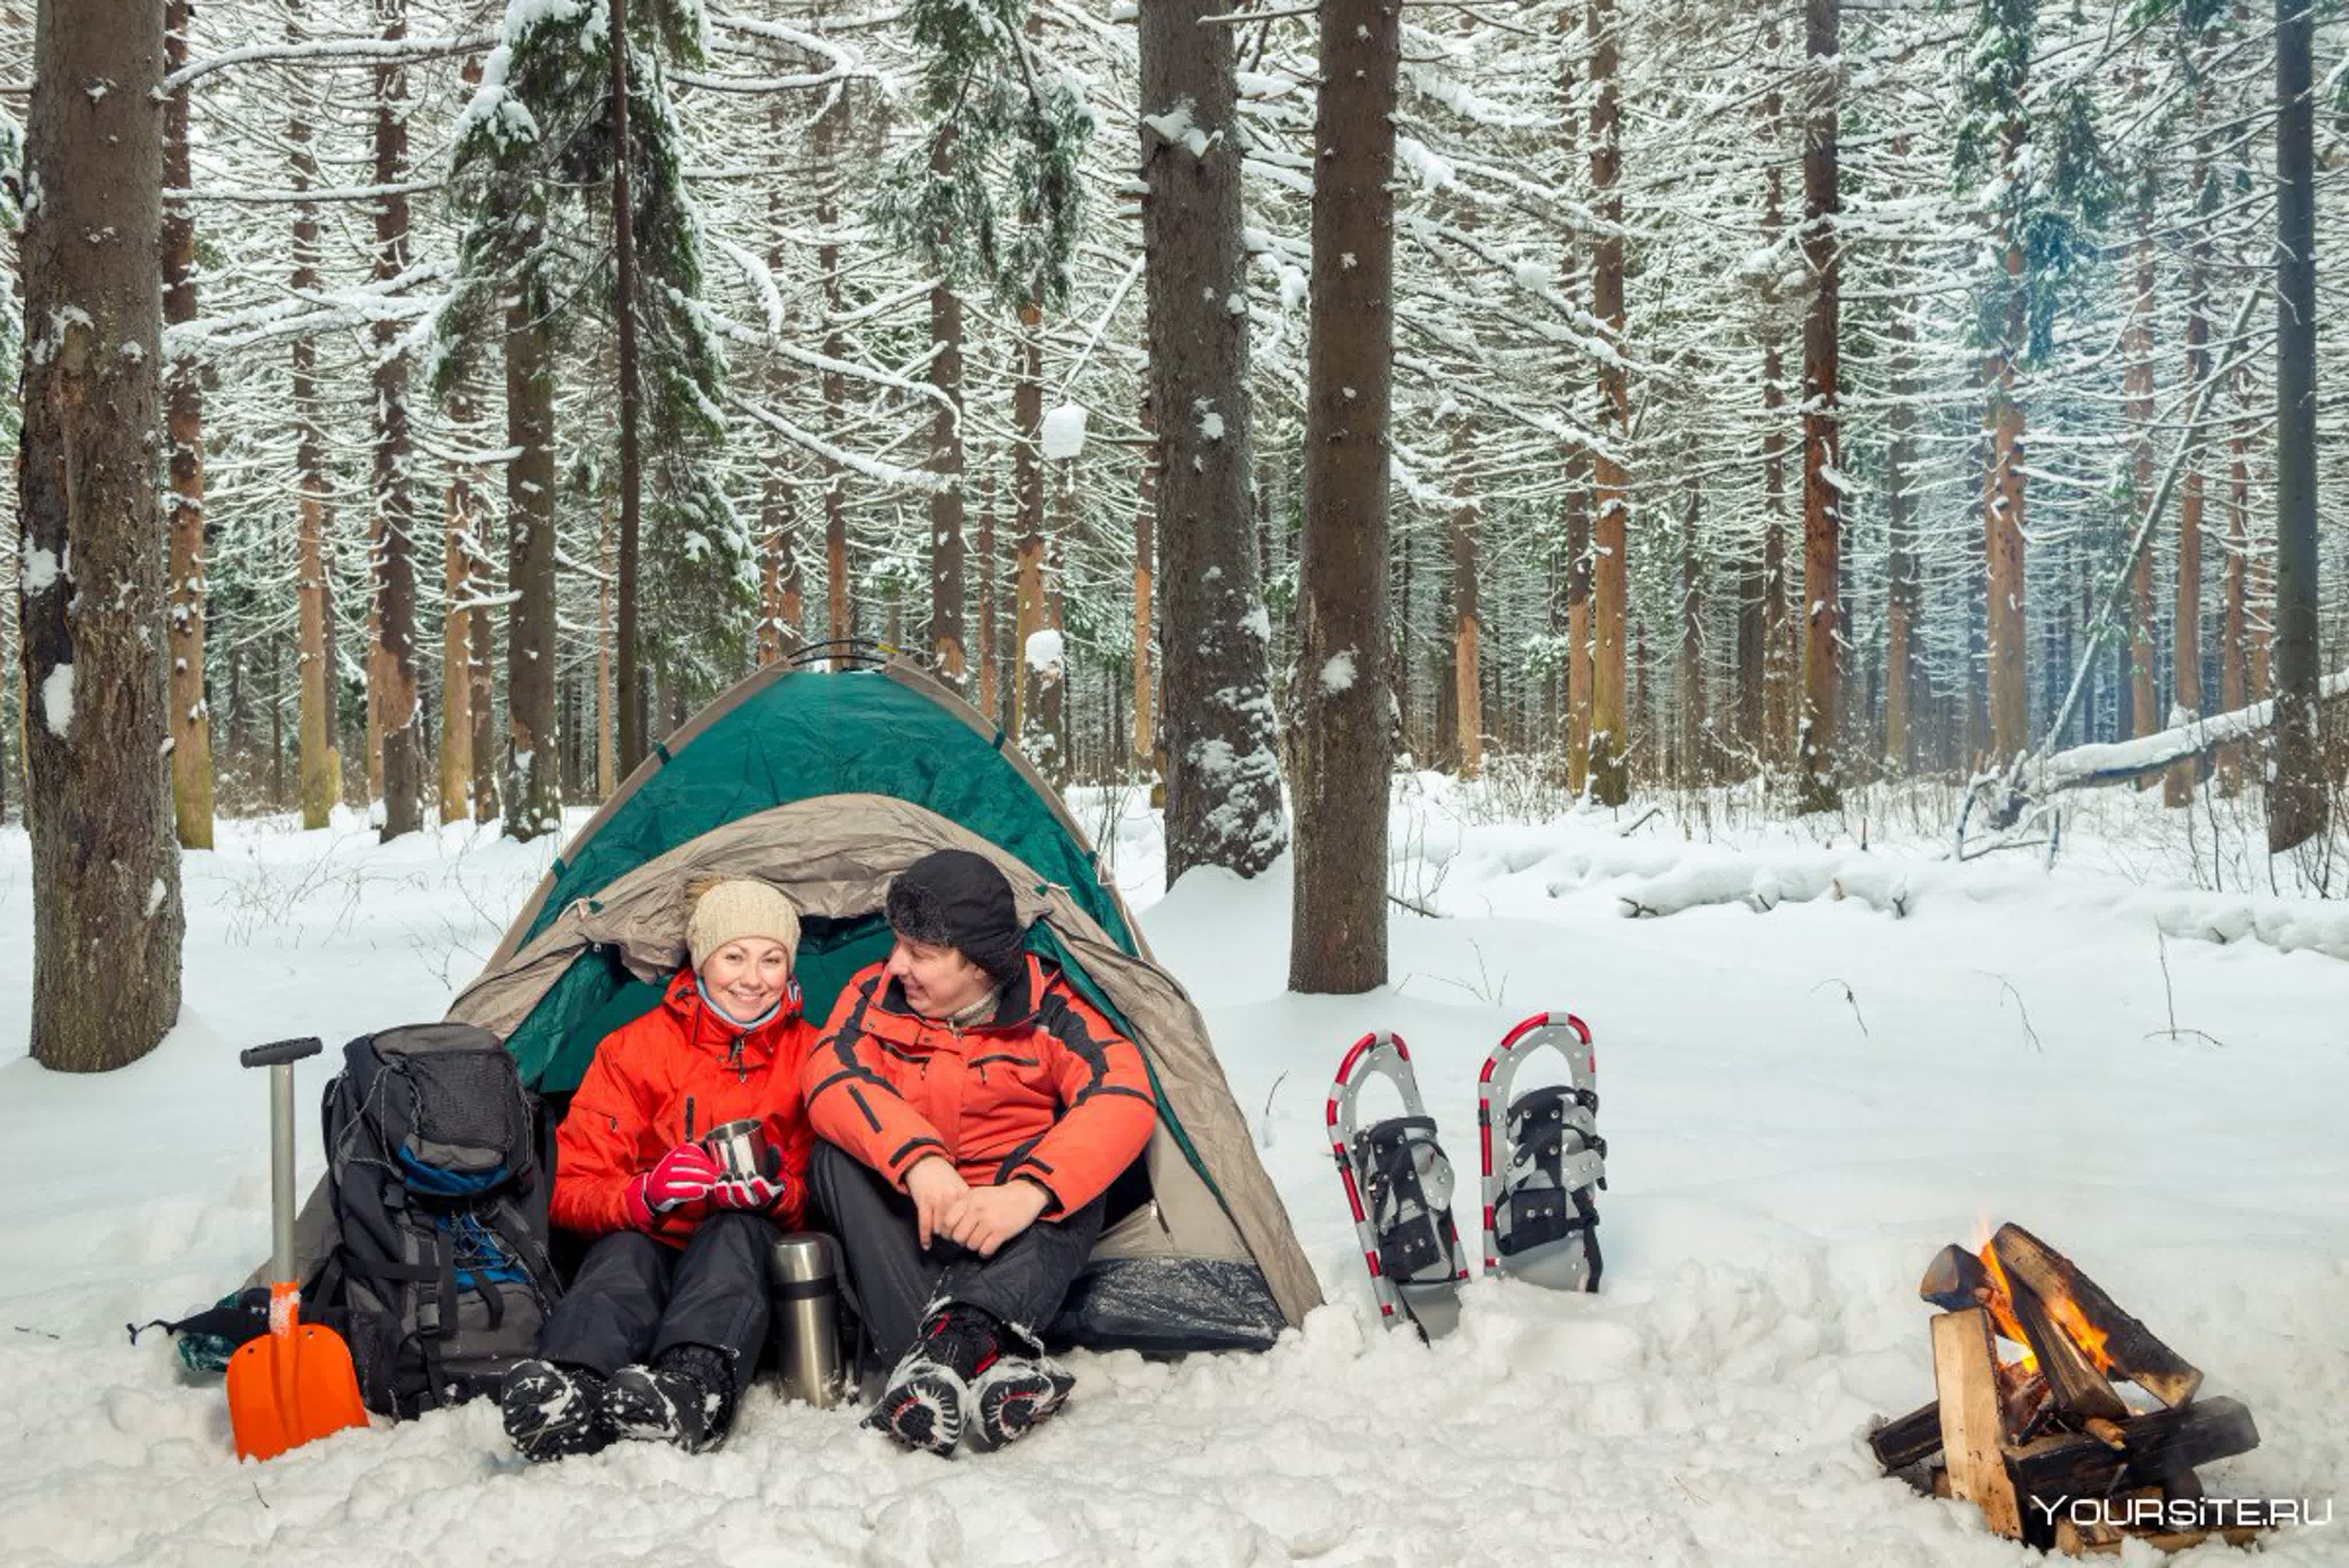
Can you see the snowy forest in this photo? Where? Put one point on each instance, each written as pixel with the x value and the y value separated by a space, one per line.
pixel 1785 399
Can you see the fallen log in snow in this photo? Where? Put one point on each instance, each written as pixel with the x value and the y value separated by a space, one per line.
pixel 2117 761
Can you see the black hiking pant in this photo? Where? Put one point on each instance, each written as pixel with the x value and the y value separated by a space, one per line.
pixel 634 1297
pixel 892 1282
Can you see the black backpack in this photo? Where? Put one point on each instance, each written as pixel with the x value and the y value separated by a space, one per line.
pixel 439 1166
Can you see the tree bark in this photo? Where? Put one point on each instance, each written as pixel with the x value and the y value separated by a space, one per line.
pixel 392 671
pixel 948 641
pixel 1038 732
pixel 191 742
pixel 533 800
pixel 1694 761
pixel 2144 719
pixel 1341 708
pixel 456 664
pixel 2234 685
pixel 1468 622
pixel 634 724
pixel 1145 570
pixel 2186 611
pixel 1775 672
pixel 1904 594
pixel 2296 803
pixel 1818 752
pixel 104 868
pixel 829 124
pixel 1223 752
pixel 2003 515
pixel 989 655
pixel 1578 624
pixel 1611 720
pixel 320 768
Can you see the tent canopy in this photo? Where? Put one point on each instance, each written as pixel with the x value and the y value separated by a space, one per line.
pixel 826 784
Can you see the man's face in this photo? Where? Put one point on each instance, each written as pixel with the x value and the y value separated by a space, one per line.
pixel 939 982
pixel 747 976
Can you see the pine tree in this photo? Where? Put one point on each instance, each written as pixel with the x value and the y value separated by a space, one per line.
pixel 105 870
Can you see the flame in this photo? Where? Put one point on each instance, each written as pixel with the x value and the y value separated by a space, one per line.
pixel 2068 1318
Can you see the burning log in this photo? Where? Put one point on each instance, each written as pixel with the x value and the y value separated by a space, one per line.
pixel 2127 1347
pixel 1973 1436
pixel 2053 1471
pixel 1955 1280
pixel 2079 1386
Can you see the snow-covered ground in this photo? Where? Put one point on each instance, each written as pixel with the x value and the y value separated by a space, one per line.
pixel 1819 1063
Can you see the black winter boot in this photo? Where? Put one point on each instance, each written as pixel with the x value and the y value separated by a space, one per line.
pixel 552 1412
pixel 928 1394
pixel 686 1396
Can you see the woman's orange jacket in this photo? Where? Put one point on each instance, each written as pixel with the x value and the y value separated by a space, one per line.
pixel 1048 1091
pixel 683 1058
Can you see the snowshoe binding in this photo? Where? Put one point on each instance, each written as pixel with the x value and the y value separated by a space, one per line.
pixel 1399 1184
pixel 1543 1159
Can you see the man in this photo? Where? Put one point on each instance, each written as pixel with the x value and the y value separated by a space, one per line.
pixel 974 1109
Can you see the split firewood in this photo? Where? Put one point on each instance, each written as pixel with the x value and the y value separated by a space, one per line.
pixel 2079 1386
pixel 2054 1469
pixel 2108 1433
pixel 2133 1350
pixel 1906 1440
pixel 1973 1442
pixel 1954 1280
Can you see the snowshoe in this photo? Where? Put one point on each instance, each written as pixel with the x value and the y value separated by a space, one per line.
pixel 1543 1159
pixel 1399 1185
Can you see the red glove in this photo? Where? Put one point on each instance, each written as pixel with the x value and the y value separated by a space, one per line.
pixel 755 1193
pixel 684 1175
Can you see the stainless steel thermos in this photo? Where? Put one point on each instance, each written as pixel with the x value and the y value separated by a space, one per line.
pixel 804 1269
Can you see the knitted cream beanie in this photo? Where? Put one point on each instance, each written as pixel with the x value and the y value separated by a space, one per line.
pixel 740 907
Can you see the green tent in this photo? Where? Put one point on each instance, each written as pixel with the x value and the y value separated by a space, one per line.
pixel 827 781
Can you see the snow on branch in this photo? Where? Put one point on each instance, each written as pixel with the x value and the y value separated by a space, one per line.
pixel 367 50
pixel 871 468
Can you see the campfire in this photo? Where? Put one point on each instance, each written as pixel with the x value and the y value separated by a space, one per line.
pixel 2045 1444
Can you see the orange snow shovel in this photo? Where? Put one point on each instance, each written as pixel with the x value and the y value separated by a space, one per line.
pixel 295 1382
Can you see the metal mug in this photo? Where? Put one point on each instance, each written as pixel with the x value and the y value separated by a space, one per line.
pixel 804 1269
pixel 740 1149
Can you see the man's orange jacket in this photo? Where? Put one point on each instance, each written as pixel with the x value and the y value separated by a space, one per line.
pixel 1048 1091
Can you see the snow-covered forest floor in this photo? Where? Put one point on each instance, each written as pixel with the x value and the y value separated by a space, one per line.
pixel 1802 1105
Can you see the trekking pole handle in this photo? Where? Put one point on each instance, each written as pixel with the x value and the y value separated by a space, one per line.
pixel 280 1052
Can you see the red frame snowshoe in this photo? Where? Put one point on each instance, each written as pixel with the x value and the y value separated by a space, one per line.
pixel 1540 1219
pixel 1399 1184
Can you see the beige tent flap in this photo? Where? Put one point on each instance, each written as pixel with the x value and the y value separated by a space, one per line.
pixel 835 854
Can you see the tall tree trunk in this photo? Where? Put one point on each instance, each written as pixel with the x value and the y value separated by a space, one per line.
pixel 106 870
pixel 392 671
pixel 1578 624
pixel 2235 640
pixel 1146 571
pixel 633 719
pixel 829 125
pixel 2138 348
pixel 191 735
pixel 1694 761
pixel 989 569
pixel 607 716
pixel 1611 720
pixel 2296 803
pixel 2186 611
pixel 2003 513
pixel 1775 672
pixel 1903 595
pixel 1819 752
pixel 533 800
pixel 949 647
pixel 1467 623
pixel 1223 749
pixel 481 656
pixel 1340 708
pixel 1038 736
pixel 456 663
pixel 320 767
